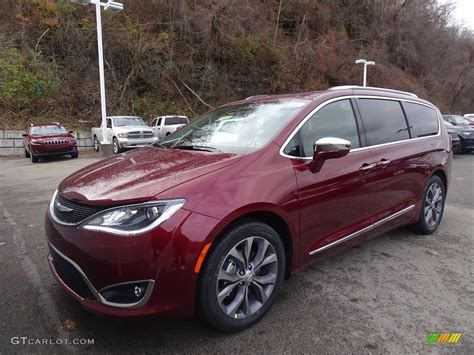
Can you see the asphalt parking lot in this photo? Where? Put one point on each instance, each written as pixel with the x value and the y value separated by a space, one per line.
pixel 384 296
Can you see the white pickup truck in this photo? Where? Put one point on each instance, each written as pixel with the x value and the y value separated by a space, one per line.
pixel 165 125
pixel 124 132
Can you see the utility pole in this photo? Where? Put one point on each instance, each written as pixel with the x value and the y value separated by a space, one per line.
pixel 111 6
pixel 365 62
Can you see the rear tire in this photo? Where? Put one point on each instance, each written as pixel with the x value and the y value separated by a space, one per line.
pixel 241 277
pixel 432 207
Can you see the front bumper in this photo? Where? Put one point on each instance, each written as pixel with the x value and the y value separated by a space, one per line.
pixel 164 256
pixel 47 150
pixel 136 143
pixel 468 143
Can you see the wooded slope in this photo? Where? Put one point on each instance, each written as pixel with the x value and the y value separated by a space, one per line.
pixel 162 55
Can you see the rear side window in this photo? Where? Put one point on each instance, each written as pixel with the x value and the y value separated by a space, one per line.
pixel 176 120
pixel 384 121
pixel 423 119
pixel 336 119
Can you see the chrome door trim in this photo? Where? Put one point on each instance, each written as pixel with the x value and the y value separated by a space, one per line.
pixel 363 230
pixel 309 115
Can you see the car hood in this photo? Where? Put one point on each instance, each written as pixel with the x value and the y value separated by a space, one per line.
pixel 139 175
pixel 465 128
pixel 52 136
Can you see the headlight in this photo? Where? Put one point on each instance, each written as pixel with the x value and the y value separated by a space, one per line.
pixel 466 133
pixel 133 219
pixel 33 141
pixel 122 135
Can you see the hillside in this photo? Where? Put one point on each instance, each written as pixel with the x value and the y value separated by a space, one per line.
pixel 166 56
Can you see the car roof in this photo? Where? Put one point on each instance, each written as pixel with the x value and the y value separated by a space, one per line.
pixel 170 116
pixel 45 124
pixel 344 90
pixel 123 117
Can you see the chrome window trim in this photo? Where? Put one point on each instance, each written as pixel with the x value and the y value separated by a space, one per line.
pixel 309 115
pixel 97 295
pixel 363 230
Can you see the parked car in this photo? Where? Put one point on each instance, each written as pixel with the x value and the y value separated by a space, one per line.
pixel 455 139
pixel 198 225
pixel 463 130
pixel 469 117
pixel 46 139
pixel 163 126
pixel 124 132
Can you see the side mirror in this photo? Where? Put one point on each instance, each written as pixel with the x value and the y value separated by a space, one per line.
pixel 328 148
pixel 24 135
pixel 71 132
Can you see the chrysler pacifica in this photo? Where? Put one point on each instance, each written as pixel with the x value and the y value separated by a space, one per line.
pixel 212 219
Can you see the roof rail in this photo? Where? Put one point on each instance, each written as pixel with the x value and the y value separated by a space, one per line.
pixel 356 87
pixel 254 96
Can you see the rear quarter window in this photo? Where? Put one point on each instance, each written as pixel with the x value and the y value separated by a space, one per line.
pixel 423 119
pixel 383 120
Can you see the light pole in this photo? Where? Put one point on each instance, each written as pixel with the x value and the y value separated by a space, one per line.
pixel 365 62
pixel 111 6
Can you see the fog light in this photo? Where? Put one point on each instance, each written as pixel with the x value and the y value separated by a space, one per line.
pixel 138 291
pixel 127 294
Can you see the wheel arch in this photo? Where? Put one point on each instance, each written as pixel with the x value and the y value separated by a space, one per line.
pixel 274 220
pixel 442 175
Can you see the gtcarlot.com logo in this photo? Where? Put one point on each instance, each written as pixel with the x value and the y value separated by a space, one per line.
pixel 50 341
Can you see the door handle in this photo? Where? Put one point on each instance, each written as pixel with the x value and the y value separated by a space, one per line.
pixel 365 168
pixel 384 163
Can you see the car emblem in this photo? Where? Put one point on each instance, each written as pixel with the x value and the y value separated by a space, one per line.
pixel 61 208
pixel 141 134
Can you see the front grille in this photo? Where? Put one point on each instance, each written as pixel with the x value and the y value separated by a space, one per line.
pixel 70 275
pixel 57 141
pixel 71 212
pixel 140 135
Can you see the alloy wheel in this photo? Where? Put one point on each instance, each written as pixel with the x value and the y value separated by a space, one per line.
pixel 433 204
pixel 247 277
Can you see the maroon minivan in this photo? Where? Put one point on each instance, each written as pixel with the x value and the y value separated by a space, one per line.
pixel 211 220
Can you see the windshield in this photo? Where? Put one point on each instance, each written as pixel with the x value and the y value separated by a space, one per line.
pixel 459 120
pixel 128 121
pixel 47 130
pixel 236 129
pixel 176 120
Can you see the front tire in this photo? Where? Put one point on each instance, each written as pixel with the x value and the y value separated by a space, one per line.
pixel 34 158
pixel 241 277
pixel 116 146
pixel 96 144
pixel 74 155
pixel 432 207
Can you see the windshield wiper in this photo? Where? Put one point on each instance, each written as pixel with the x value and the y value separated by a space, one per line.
pixel 196 147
